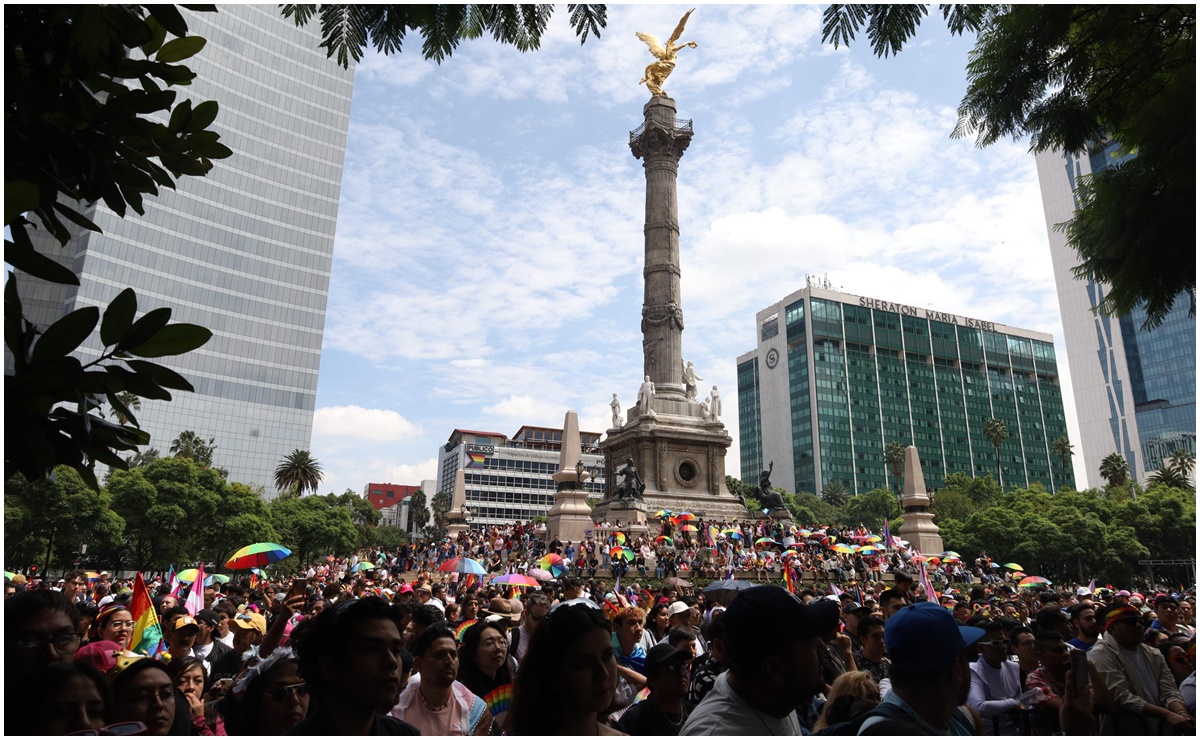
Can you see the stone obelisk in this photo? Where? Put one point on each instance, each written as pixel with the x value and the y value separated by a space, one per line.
pixel 570 517
pixel 456 518
pixel 918 527
pixel 677 443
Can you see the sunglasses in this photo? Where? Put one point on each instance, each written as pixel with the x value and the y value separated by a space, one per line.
pixel 283 693
pixel 121 728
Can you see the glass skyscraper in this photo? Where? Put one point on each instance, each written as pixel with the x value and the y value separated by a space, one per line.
pixel 1135 390
pixel 837 377
pixel 245 251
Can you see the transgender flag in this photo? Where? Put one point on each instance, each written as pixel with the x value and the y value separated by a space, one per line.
pixel 930 594
pixel 195 599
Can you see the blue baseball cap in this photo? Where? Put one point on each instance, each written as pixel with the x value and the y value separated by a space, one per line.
pixel 924 636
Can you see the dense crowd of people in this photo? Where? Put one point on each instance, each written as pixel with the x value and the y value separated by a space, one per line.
pixel 386 643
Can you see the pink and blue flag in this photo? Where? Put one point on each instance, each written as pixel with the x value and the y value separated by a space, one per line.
pixel 195 599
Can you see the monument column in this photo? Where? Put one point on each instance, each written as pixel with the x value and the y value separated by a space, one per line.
pixel 660 142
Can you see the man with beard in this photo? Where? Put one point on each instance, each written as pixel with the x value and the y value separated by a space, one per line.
pixel 772 647
pixel 1087 628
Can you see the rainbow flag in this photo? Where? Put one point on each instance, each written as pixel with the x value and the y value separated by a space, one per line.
pixel 499 699
pixel 461 629
pixel 789 579
pixel 476 459
pixel 710 535
pixel 147 632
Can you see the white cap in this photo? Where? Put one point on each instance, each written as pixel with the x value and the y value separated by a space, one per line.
pixel 104 572
pixel 677 608
pixel 1083 591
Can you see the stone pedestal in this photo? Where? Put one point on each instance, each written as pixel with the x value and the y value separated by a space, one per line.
pixel 456 527
pixel 918 527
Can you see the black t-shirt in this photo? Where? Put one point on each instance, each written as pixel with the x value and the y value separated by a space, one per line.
pixel 647 718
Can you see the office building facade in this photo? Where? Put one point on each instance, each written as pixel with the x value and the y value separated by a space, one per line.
pixel 509 479
pixel 837 377
pixel 1134 389
pixel 245 251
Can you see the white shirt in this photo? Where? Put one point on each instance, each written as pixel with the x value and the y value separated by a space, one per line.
pixel 202 651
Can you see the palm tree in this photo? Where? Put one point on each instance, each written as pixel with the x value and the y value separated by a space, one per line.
pixel 1183 461
pixel 1114 469
pixel 299 469
pixel 1172 477
pixel 996 432
pixel 193 447
pixel 835 493
pixel 1063 450
pixel 893 456
pixel 131 402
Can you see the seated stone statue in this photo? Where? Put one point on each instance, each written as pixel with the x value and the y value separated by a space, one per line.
pixel 631 486
pixel 766 494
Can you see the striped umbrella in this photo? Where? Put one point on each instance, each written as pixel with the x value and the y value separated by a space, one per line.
pixel 257 555
pixel 216 578
pixel 1032 581
pixel 619 538
pixel 187 575
pixel 732 533
pixel 516 579
pixel 762 542
pixel 688 528
pixel 554 564
pixel 1013 566
pixel 363 565
pixel 662 514
pixel 663 538
pixel 805 533
pixel 685 516
pixel 462 565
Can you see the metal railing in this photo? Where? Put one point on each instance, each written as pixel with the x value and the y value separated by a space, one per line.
pixel 680 125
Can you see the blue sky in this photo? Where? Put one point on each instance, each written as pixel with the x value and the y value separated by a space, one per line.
pixel 487 265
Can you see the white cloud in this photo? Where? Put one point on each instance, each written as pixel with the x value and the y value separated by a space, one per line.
pixel 357 423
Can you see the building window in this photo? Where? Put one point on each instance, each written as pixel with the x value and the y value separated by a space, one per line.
pixel 770 328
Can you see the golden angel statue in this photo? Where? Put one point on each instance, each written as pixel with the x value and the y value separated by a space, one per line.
pixel 657 73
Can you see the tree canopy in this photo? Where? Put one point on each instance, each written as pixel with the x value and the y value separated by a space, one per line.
pixel 347 30
pixel 1073 78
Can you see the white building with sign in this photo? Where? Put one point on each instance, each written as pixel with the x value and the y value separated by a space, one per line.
pixel 509 479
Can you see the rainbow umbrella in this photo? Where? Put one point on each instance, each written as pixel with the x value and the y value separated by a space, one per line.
pixel 950 554
pixel 1013 566
pixel 462 565
pixel 363 565
pixel 538 573
pixel 257 555
pixel 622 552
pixel 686 516
pixel 516 579
pixel 764 541
pixel 461 629
pixel 554 564
pixel 259 572
pixel 663 538
pixel 868 550
pixel 843 549
pixel 216 578
pixel 1031 581
pixel 805 533
pixel 732 533
pixel 874 538
pixel 663 514
pixel 688 528
pixel 188 575
pixel 1018 574
pixel 919 559
pixel 619 538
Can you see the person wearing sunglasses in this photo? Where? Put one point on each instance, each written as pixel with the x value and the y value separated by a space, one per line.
pixel 1137 678
pixel 996 682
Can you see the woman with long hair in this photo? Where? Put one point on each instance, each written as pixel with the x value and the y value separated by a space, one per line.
pixel 113 623
pixel 569 676
pixel 657 620
pixel 188 675
pixel 483 658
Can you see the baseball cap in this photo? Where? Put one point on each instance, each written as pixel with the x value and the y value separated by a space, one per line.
pixel 1124 593
pixel 405 588
pixel 251 621
pixel 853 606
pixel 1083 591
pixel 208 617
pixel 185 622
pixel 770 611
pixel 924 636
pixel 101 655
pixel 661 654
pixel 677 608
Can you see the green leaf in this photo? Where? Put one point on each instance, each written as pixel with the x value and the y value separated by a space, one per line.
pixel 169 18
pixel 159 34
pixel 137 384
pixel 76 217
pixel 64 335
pixel 164 376
pixel 180 117
pixel 56 378
pixel 28 260
pixel 20 196
pixel 175 339
pixel 202 116
pixel 144 328
pixel 118 317
pixel 212 149
pixel 176 50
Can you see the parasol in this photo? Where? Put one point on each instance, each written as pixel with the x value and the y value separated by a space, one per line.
pixel 462 565
pixel 257 555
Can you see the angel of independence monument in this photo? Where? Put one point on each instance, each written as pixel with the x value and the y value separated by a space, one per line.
pixel 670 453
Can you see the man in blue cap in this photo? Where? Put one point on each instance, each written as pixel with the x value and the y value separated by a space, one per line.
pixel 930 671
